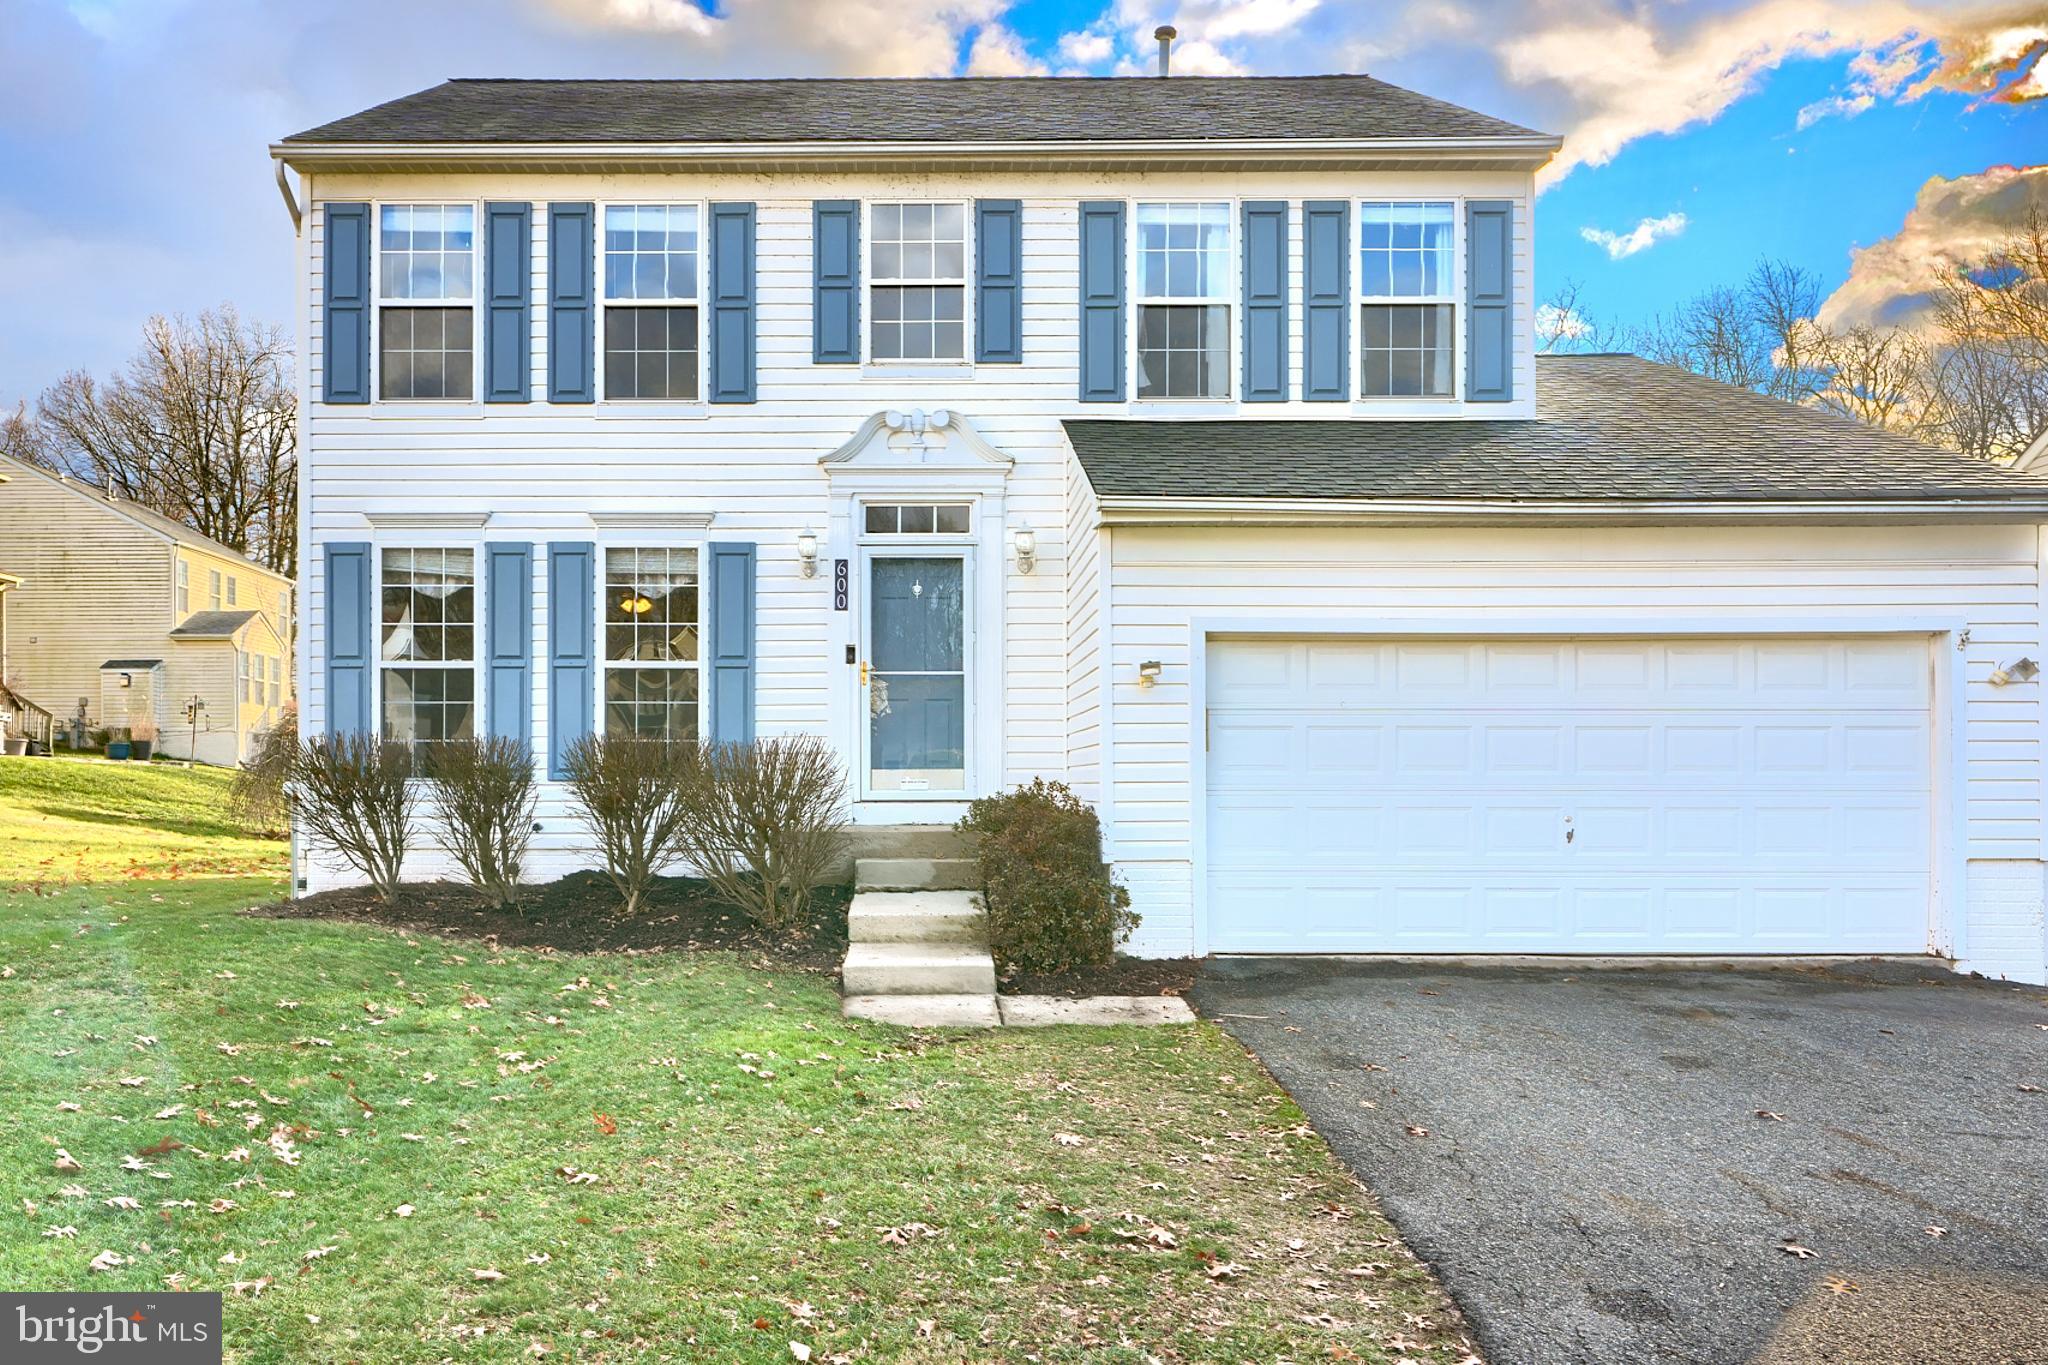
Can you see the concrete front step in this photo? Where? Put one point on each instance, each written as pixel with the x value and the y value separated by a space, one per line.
pixel 916 917
pixel 914 874
pixel 925 1011
pixel 918 969
pixel 908 841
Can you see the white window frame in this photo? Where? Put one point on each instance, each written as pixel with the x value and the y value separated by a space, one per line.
pixel 215 591
pixel 184 588
pixel 1232 299
pixel 480 721
pixel 378 302
pixel 233 591
pixel 1455 299
pixel 868 281
pixel 701 303
pixel 605 662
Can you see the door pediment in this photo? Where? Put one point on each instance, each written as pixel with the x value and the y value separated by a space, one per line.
pixel 917 439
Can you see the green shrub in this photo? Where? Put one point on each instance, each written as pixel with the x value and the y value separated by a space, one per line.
pixel 353 793
pixel 629 792
pixel 484 792
pixel 1051 902
pixel 765 824
pixel 256 797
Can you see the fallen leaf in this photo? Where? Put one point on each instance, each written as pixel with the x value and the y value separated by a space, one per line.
pixel 1068 1139
pixel 1794 1249
pixel 1223 1270
pixel 317 1252
pixel 487 1274
pixel 68 1107
pixel 404 1210
pixel 65 1231
pixel 799 1350
pixel 1835 1284
pixel 2030 1089
pixel 107 1260
pixel 605 1124
pixel 1769 1117
pixel 65 1162
pixel 122 1201
pixel 1933 1230
pixel 1417 1130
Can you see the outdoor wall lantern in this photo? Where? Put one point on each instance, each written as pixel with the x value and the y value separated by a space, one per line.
pixel 807 552
pixel 127 680
pixel 1149 671
pixel 2019 670
pixel 1026 542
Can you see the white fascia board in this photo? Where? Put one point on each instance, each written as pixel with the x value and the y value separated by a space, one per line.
pixel 1439 512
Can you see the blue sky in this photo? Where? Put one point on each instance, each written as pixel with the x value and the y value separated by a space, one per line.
pixel 134 178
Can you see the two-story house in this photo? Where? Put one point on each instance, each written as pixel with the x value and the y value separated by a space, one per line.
pixel 1181 439
pixel 124 616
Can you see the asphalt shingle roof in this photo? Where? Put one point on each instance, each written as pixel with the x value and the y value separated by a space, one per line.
pixel 131 665
pixel 967 109
pixel 211 625
pixel 1608 428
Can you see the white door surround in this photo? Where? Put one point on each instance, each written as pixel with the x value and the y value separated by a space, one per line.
pixel 1927 796
pixel 901 457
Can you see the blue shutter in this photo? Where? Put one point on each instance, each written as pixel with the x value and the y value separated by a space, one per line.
pixel 1489 301
pixel 348 638
pixel 1102 303
pixel 999 281
pixel 345 314
pixel 508 280
pixel 1326 301
pixel 572 303
pixel 572 648
pixel 730 719
pixel 1265 302
pixel 732 303
pixel 508 641
pixel 835 282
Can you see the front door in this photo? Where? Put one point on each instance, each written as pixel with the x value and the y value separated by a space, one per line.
pixel 916 674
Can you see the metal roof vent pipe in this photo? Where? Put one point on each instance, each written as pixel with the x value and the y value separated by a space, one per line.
pixel 1165 33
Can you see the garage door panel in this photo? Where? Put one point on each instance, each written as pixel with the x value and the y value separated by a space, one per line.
pixel 1569 796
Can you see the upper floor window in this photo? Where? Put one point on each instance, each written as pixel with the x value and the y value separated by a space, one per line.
pixel 651 315
pixel 231 590
pixel 427 645
pixel 1407 278
pixel 917 287
pixel 1184 291
pixel 426 290
pixel 214 600
pixel 650 642
pixel 184 589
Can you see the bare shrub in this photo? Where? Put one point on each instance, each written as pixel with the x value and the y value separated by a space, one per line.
pixel 353 793
pixel 256 797
pixel 1051 902
pixel 484 792
pixel 629 794
pixel 764 823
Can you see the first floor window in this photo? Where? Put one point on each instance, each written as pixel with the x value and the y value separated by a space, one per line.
pixel 1184 287
pixel 651 618
pixel 427 645
pixel 1407 350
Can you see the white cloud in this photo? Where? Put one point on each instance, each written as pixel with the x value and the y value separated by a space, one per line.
pixel 801 37
pixel 1555 324
pixel 1089 48
pixel 1952 222
pixel 1641 237
pixel 999 52
pixel 1835 106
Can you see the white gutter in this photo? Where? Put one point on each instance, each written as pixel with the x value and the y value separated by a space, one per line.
pixel 1129 511
pixel 284 187
pixel 1536 146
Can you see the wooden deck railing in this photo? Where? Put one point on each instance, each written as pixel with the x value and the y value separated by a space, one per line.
pixel 27 720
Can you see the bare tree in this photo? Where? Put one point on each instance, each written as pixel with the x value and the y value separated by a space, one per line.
pixel 1878 375
pixel 200 425
pixel 1758 335
pixel 1565 326
pixel 1989 372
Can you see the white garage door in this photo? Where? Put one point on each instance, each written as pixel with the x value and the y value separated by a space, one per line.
pixel 1569 796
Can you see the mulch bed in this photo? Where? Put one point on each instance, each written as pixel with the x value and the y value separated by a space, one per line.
pixel 1123 976
pixel 580 914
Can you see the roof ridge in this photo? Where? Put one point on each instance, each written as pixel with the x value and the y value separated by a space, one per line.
pixel 886 80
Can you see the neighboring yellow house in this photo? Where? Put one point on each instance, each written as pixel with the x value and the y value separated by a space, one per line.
pixel 129 616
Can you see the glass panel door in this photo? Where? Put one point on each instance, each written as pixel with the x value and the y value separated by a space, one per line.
pixel 917 674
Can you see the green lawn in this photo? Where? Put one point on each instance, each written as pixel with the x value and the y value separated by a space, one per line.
pixel 388 1149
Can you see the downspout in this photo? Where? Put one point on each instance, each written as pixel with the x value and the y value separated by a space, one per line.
pixel 284 187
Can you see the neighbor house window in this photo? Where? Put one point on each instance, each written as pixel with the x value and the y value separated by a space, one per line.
pixel 917 289
pixel 426 289
pixel 651 621
pixel 231 590
pixel 213 595
pixel 1184 289
pixel 427 645
pixel 1407 277
pixel 242 663
pixel 651 333
pixel 184 588
pixel 277 682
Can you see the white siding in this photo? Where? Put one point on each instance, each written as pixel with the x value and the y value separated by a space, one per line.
pixel 1083 636
pixel 539 470
pixel 1166 581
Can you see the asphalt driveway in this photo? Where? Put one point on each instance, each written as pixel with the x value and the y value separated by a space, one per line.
pixel 1580 1155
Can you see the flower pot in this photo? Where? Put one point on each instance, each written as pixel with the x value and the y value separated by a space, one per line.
pixel 117 749
pixel 141 749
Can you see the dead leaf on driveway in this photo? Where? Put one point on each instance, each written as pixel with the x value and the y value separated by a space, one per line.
pixel 1794 1249
pixel 1835 1284
pixel 1770 1116
pixel 1933 1230
pixel 1417 1130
